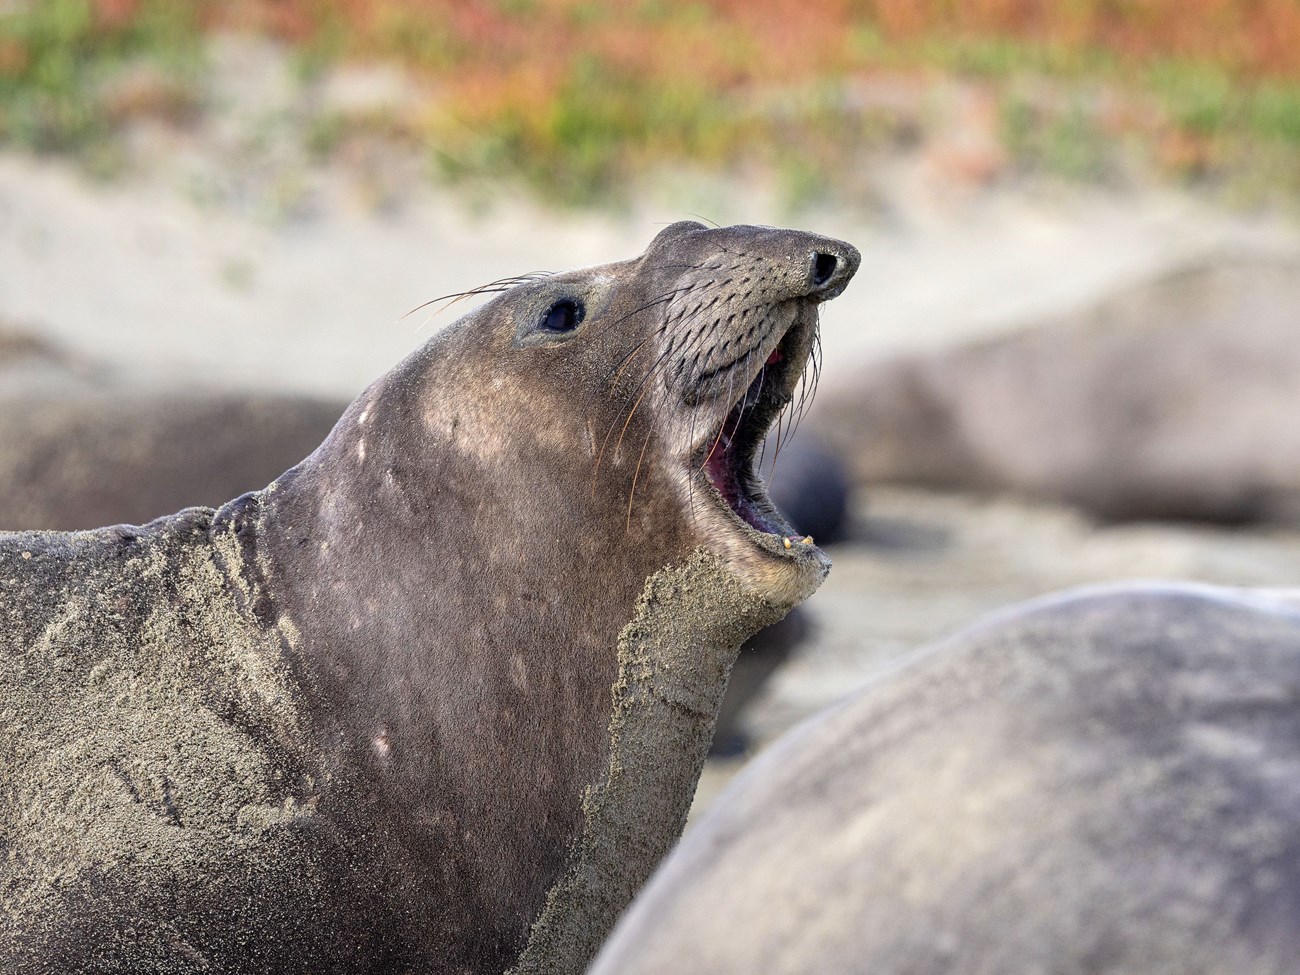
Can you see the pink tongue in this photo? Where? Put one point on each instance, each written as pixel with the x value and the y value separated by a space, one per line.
pixel 775 357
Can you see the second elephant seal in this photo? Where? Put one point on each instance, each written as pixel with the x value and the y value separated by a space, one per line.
pixel 1102 781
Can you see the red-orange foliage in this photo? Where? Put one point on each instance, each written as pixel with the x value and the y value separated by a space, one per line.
pixel 1252 37
pixel 112 14
pixel 788 39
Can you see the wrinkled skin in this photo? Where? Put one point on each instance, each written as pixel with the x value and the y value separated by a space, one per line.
pixel 398 659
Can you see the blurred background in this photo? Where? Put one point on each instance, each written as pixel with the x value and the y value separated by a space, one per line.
pixel 1070 355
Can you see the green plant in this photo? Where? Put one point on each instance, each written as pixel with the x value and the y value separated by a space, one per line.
pixel 58 53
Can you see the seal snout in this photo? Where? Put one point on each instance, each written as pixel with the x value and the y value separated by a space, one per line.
pixel 740 344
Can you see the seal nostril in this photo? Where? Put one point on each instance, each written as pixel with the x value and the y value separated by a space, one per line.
pixel 823 268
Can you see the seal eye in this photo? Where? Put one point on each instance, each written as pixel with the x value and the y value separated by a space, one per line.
pixel 563 316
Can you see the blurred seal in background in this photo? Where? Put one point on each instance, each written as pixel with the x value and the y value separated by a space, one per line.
pixel 1175 400
pixel 80 448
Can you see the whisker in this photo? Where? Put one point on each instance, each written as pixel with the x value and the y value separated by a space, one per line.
pixel 758 398
pixel 668 298
pixel 632 493
pixel 722 426
pixel 453 298
pixel 492 287
pixel 806 393
pixel 743 370
pixel 780 438
pixel 690 481
pixel 627 360
pixel 702 219
pixel 630 414
pixel 639 390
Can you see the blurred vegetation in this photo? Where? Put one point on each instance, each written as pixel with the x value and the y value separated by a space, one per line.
pixel 58 57
pixel 573 95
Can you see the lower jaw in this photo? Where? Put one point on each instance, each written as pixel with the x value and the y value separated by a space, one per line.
pixel 750 518
pixel 768 560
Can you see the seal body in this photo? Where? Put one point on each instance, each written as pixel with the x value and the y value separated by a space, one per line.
pixel 1104 781
pixel 158 771
pixel 436 699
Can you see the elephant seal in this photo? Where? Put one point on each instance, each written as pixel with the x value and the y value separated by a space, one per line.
pixel 77 455
pixel 107 456
pixel 81 447
pixel 1106 781
pixel 20 344
pixel 436 699
pixel 1172 400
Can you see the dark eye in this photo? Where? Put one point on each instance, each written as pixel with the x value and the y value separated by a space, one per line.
pixel 563 316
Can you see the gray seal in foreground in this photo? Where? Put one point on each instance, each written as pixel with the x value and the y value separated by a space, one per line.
pixel 1107 781
pixel 436 699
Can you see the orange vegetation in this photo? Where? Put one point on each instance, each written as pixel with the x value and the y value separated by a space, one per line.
pixel 781 39
pixel 565 92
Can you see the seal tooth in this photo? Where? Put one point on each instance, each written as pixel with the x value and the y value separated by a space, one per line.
pixel 807 540
pixel 787 542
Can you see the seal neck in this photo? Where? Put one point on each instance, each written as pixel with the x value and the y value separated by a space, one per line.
pixel 465 671
pixel 458 604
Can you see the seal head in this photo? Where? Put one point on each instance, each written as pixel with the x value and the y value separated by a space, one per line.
pixel 736 335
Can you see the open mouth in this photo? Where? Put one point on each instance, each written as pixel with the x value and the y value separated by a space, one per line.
pixel 725 458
